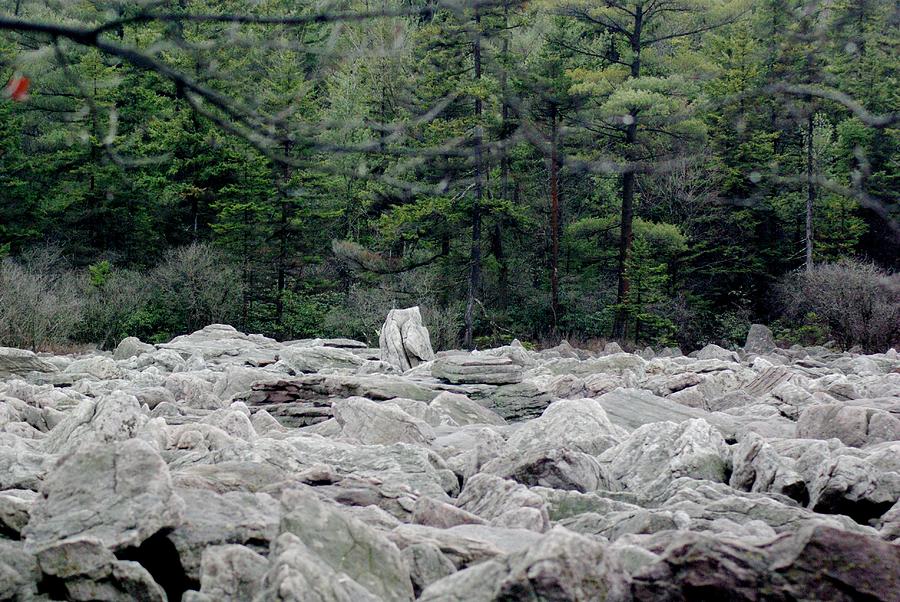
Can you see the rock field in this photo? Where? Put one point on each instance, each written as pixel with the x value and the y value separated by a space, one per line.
pixel 225 466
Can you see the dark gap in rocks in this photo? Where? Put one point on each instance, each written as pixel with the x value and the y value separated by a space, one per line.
pixel 728 471
pixel 159 556
pixel 258 545
pixel 708 593
pixel 460 480
pixel 52 587
pixel 862 511
pixel 798 493
pixel 9 533
pixel 731 441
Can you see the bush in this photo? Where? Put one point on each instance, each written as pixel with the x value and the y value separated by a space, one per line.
pixel 194 286
pixel 111 298
pixel 305 314
pixel 857 302
pixel 40 304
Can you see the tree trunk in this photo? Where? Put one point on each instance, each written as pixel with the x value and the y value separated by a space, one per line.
pixel 282 245
pixel 810 189
pixel 626 235
pixel 554 220
pixel 475 257
pixel 497 238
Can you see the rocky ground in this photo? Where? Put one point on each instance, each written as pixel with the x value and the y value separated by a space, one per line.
pixel 225 466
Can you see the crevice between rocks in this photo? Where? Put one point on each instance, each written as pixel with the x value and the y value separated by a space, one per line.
pixel 159 556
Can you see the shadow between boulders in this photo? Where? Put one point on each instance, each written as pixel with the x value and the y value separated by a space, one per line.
pixel 159 556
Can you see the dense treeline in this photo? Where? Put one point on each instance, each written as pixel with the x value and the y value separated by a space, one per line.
pixel 653 170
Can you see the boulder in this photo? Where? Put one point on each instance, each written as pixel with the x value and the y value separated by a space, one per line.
pixel 823 563
pixel 20 361
pixel 346 545
pixel 131 347
pixel 475 368
pixel 757 466
pixel 856 426
pixel 577 424
pixel 404 340
pixel 427 564
pixel 504 503
pixel 632 408
pixel 306 399
pixel 119 493
pixel 213 519
pixel 760 340
pixel 655 454
pixel 296 571
pixel 232 573
pixel 463 411
pixel 114 417
pixel 561 565
pixel 317 359
pixel 714 352
pixel 519 401
pixel 435 513
pixel 368 422
pixel 466 545
pixel 15 508
pixel 557 468
pixel 95 367
pixel 19 572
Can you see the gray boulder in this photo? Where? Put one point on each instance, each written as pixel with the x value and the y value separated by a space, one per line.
pixel 131 347
pixel 760 340
pixel 232 573
pixel 856 426
pixel 504 503
pixel 20 361
pixel 119 493
pixel 557 468
pixel 114 417
pixel 88 571
pixel 346 544
pixel 463 411
pixel 475 368
pixel 297 573
pixel 435 513
pixel 427 564
pixel 561 565
pixel 577 424
pixel 19 571
pixel 466 545
pixel 368 422
pixel 655 454
pixel 212 519
pixel 631 408
pixel 317 359
pixel 15 508
pixel 519 401
pixel 714 352
pixel 404 340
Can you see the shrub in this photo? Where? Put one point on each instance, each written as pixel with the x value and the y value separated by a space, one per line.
pixel 305 314
pixel 111 298
pixel 856 301
pixel 40 304
pixel 194 286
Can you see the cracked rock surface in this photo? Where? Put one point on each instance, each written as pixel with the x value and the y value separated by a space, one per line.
pixel 225 466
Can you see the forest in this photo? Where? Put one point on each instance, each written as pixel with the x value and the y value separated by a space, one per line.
pixel 656 172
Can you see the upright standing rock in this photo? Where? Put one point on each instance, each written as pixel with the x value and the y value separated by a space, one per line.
pixel 404 341
pixel 760 340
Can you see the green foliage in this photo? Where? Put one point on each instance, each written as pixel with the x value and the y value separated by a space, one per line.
pixel 100 272
pixel 170 221
pixel 305 314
